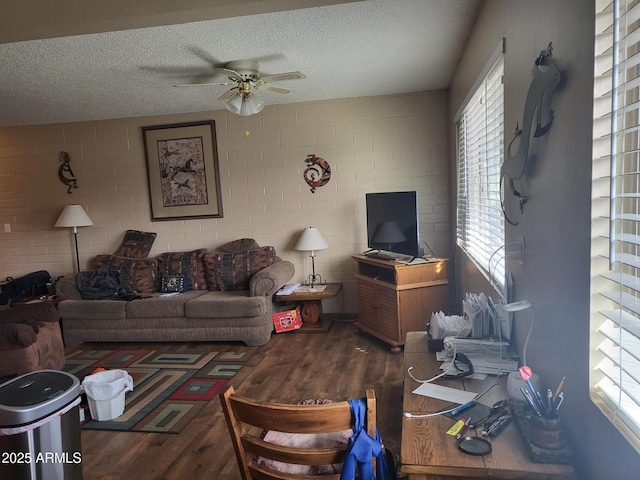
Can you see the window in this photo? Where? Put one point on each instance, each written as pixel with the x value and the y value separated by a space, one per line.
pixel 615 207
pixel 480 143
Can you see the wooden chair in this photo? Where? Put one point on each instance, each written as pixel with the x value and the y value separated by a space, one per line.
pixel 244 415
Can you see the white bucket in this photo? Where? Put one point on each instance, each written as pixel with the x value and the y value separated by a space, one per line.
pixel 106 409
pixel 106 392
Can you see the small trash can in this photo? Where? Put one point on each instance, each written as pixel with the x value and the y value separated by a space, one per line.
pixel 105 393
pixel 40 427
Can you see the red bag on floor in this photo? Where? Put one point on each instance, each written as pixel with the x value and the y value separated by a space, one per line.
pixel 287 321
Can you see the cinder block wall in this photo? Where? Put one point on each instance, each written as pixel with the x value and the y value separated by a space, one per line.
pixel 373 144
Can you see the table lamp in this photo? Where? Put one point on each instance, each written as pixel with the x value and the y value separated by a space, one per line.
pixel 514 380
pixel 311 240
pixel 74 216
pixel 389 233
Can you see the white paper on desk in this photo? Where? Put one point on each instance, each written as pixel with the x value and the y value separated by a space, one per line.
pixel 448 394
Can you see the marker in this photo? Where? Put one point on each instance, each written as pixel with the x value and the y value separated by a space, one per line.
pixel 466 424
pixel 456 428
pixel 559 400
pixel 461 408
pixel 559 389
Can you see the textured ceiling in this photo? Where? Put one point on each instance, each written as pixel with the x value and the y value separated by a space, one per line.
pixel 364 48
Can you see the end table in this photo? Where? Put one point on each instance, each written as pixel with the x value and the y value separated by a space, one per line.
pixel 311 306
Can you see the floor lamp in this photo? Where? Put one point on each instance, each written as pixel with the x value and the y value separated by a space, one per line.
pixel 74 216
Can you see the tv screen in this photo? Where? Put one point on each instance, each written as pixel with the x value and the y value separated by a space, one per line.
pixel 392 222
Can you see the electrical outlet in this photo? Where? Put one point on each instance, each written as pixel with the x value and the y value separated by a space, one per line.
pixel 515 250
pixel 7 228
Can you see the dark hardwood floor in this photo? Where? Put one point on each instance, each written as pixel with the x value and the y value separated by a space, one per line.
pixel 337 365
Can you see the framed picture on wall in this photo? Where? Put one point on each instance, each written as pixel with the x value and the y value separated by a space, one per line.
pixel 182 168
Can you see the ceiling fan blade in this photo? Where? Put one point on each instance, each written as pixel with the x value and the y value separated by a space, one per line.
pixel 203 84
pixel 233 75
pixel 228 94
pixel 279 77
pixel 284 91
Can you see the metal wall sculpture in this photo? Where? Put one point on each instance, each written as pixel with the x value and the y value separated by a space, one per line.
pixel 317 173
pixel 65 174
pixel 545 82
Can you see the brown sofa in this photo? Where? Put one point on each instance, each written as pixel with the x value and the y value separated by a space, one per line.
pixel 227 299
pixel 30 339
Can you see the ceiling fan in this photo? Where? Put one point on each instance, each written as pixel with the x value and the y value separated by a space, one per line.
pixel 244 75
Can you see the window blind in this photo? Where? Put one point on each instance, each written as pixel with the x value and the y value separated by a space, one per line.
pixel 480 143
pixel 615 268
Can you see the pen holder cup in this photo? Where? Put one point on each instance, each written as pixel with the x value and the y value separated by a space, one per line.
pixel 547 433
pixel 515 382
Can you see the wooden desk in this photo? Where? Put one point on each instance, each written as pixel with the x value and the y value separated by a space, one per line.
pixel 426 452
pixel 311 307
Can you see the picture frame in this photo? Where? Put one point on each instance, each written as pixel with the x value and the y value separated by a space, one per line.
pixel 182 170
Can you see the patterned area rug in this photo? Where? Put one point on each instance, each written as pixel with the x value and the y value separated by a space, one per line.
pixel 169 389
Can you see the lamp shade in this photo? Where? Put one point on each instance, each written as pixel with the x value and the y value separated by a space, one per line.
pixel 245 104
pixel 389 232
pixel 73 216
pixel 517 306
pixel 311 239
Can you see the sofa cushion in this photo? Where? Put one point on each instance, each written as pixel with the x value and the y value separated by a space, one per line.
pixel 136 274
pixel 238 246
pixel 233 271
pixel 16 335
pixel 190 264
pixel 136 244
pixel 161 307
pixel 94 309
pixel 217 305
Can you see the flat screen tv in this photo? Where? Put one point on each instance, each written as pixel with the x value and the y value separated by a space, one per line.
pixel 392 222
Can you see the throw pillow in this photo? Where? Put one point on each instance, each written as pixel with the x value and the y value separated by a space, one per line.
pixel 239 246
pixel 233 271
pixel 136 244
pixel 190 264
pixel 136 274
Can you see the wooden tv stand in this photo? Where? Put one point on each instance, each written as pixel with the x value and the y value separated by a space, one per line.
pixel 396 298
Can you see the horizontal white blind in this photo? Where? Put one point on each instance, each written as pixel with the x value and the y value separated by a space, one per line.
pixel 480 141
pixel 615 270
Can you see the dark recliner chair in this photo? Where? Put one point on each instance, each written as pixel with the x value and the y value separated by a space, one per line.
pixel 30 339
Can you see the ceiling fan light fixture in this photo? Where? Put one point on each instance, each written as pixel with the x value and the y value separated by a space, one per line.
pixel 245 104
pixel 234 104
pixel 251 104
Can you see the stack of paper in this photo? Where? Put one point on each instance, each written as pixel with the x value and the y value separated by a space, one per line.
pixel 486 355
pixel 487 320
pixel 288 289
pixel 448 326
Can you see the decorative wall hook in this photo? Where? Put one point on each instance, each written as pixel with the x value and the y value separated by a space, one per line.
pixel 64 169
pixel 317 173
pixel 544 83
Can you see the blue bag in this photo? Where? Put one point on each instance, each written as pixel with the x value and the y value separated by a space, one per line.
pixel 362 448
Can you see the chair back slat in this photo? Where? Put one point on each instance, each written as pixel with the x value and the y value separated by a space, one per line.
pixel 247 419
pixel 331 417
pixel 301 456
pixel 259 473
